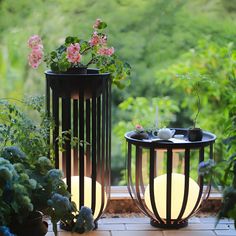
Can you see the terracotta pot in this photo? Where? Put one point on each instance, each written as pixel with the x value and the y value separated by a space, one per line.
pixel 32 226
pixel 195 134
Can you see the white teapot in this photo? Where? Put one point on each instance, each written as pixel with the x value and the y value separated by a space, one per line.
pixel 165 133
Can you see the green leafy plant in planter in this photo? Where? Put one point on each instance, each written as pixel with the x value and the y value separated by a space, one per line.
pixel 196 84
pixel 223 177
pixel 195 133
pixel 76 54
pixel 28 181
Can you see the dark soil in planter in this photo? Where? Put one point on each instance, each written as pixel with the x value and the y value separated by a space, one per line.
pixel 75 70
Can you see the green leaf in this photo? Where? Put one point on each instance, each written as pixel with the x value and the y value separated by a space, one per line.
pixel 102 25
pixel 71 39
pixel 53 54
pixel 61 49
pixel 54 66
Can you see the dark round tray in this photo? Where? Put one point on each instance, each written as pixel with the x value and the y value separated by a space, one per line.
pixel 153 141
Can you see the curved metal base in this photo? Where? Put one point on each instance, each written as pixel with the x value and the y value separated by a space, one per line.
pixel 168 226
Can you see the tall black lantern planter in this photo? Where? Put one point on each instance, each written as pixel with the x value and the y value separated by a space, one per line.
pixel 80 105
pixel 163 179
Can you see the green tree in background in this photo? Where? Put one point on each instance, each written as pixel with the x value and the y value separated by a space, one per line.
pixel 159 38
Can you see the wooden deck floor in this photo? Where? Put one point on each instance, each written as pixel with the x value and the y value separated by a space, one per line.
pixel 141 227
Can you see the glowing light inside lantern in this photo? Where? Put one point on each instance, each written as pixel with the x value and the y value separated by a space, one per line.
pixel 87 194
pixel 177 195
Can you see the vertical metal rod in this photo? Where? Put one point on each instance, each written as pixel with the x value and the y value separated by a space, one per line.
pixel 48 111
pixel 168 185
pixel 66 126
pixel 99 139
pixel 208 189
pixel 94 151
pixel 55 111
pixel 102 137
pixel 152 187
pixel 155 163
pixel 200 182
pixel 81 147
pixel 88 137
pixel 131 187
pixel 103 132
pixel 129 172
pixel 186 184
pixel 138 172
pixel 75 134
pixel 138 159
pixel 211 151
pixel 109 137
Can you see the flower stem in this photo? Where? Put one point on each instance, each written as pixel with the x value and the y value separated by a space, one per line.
pixel 85 50
pixel 198 105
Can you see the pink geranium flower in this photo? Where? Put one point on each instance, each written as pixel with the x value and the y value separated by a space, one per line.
pixel 106 51
pixel 139 128
pixel 98 39
pixel 73 53
pixel 103 39
pixel 95 40
pixel 35 41
pixel 35 57
pixel 97 23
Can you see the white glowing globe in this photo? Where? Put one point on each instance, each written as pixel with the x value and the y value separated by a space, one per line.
pixel 177 195
pixel 87 194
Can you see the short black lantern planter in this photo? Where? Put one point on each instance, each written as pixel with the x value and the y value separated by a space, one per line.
pixel 163 177
pixel 80 105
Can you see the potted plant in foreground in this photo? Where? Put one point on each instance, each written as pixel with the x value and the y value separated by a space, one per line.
pixel 29 184
pixel 76 55
pixel 28 187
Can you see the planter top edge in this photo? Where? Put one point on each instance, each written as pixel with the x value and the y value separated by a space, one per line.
pixel 91 72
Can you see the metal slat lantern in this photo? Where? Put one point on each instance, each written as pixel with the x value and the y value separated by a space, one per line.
pixel 81 108
pixel 163 179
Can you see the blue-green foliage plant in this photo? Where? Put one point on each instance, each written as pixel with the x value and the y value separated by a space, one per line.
pixel 28 180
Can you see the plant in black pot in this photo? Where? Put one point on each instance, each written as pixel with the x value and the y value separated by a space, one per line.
pixel 195 133
pixel 75 55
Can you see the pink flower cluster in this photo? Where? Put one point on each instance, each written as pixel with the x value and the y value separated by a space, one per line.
pixel 106 51
pixel 73 53
pixel 97 39
pixel 97 23
pixel 100 40
pixel 36 55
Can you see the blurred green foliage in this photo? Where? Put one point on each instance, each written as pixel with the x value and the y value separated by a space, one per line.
pixel 159 38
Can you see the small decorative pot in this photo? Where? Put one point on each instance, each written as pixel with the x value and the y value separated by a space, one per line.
pixel 140 135
pixel 33 225
pixel 195 134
